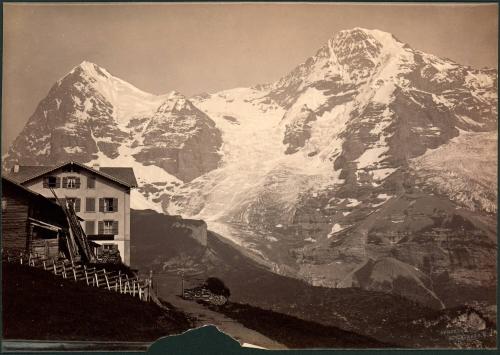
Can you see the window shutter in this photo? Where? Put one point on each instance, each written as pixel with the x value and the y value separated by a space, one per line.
pixel 90 204
pixel 58 182
pixel 100 227
pixel 115 227
pixel 77 183
pixel 115 204
pixel 91 182
pixel 46 182
pixel 89 227
pixel 77 205
pixel 64 182
pixel 101 205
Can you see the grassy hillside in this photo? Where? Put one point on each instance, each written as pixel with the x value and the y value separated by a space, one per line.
pixel 293 332
pixel 389 318
pixel 38 305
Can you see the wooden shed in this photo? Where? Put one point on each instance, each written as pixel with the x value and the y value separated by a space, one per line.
pixel 31 223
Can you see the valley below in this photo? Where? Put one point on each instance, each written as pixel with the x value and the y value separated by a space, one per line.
pixel 179 261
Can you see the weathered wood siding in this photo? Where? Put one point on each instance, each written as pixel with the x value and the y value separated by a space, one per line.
pixel 18 205
pixel 14 222
pixel 45 247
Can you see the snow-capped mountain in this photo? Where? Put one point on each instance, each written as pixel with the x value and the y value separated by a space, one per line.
pixel 90 115
pixel 370 164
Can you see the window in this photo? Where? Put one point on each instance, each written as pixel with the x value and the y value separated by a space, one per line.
pixel 71 182
pixel 110 246
pixel 89 227
pixel 90 204
pixel 91 182
pixel 108 204
pixel 53 182
pixel 75 202
pixel 4 204
pixel 108 227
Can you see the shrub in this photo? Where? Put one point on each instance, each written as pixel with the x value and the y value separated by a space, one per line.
pixel 217 287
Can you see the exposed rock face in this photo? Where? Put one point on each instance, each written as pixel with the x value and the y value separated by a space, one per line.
pixel 198 229
pixel 180 139
pixel 89 115
pixel 65 123
pixel 298 131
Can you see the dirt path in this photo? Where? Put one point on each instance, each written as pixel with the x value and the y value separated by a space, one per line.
pixel 226 325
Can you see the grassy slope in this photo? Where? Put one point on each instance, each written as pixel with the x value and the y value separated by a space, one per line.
pixel 293 332
pixel 39 305
pixel 388 318
pixel 379 315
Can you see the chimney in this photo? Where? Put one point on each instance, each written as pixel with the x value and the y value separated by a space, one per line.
pixel 95 166
pixel 15 168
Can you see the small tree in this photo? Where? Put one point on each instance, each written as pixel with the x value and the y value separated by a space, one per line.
pixel 217 287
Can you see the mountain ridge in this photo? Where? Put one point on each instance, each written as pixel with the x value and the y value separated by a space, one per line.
pixel 329 169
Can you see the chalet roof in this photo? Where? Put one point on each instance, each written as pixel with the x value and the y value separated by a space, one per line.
pixel 122 175
pixel 49 207
pixel 32 194
pixel 7 180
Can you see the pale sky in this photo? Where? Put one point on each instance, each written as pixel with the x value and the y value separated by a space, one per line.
pixel 194 48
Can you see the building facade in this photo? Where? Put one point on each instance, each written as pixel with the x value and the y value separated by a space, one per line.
pixel 100 196
pixel 31 223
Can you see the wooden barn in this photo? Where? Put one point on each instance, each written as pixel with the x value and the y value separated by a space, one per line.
pixel 31 223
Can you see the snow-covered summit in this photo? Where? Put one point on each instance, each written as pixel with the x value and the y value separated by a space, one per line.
pixel 127 100
pixel 91 69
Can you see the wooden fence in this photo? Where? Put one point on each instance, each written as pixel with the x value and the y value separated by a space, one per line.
pixel 92 275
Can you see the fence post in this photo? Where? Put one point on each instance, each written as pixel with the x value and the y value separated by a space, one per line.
pixel 85 273
pixel 150 285
pixel 107 280
pixel 64 270
pixel 120 280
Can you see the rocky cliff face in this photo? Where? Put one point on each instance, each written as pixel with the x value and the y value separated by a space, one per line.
pixel 371 164
pixel 91 116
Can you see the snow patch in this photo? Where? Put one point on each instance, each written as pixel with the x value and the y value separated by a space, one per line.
pixel 353 202
pixel 335 229
pixel 72 150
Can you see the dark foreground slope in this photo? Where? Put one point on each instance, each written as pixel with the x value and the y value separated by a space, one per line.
pixel 38 305
pixel 165 245
pixel 293 332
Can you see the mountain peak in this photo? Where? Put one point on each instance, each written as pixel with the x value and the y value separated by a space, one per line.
pixel 367 42
pixel 360 33
pixel 91 69
pixel 175 95
pixel 174 101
